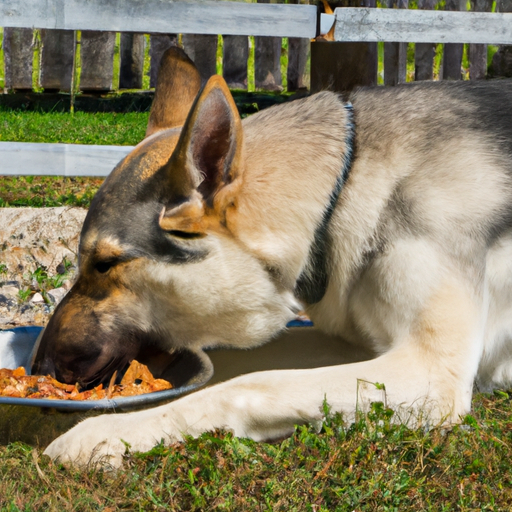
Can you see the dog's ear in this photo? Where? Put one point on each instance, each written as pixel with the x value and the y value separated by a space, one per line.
pixel 207 158
pixel 177 86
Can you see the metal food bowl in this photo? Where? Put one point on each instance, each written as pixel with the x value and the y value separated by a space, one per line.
pixel 39 420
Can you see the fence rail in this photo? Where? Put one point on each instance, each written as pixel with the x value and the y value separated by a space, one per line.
pixel 163 16
pixel 418 26
pixel 40 159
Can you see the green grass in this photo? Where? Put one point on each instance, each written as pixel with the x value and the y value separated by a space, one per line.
pixel 372 465
pixel 77 128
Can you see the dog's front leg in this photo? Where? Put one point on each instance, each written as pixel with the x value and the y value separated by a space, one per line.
pixel 263 405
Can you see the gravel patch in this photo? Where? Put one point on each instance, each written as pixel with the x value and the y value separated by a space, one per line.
pixel 38 255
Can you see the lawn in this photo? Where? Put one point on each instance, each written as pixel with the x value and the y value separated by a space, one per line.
pixel 371 465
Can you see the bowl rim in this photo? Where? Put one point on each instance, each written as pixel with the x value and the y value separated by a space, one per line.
pixel 123 402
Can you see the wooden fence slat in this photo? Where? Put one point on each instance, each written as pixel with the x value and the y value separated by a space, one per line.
pixel 18 56
pixel 478 52
pixel 97 56
pixel 235 53
pixel 267 61
pixel 131 53
pixel 158 43
pixel 298 50
pixel 395 54
pixel 501 65
pixel 56 70
pixel 419 26
pixel 424 52
pixel 452 52
pixel 38 159
pixel 330 63
pixel 162 16
pixel 202 50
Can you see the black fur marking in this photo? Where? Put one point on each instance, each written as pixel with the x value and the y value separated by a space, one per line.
pixel 312 283
pixel 136 226
pixel 156 244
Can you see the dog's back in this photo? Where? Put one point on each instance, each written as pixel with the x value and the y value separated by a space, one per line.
pixel 428 200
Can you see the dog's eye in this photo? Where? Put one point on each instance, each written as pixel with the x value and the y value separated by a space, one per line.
pixel 187 235
pixel 104 266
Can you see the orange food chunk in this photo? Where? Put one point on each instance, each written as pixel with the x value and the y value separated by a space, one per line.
pixel 136 381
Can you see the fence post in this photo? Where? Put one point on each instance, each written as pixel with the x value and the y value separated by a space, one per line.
pixel 97 56
pixel 58 48
pixel 452 52
pixel 424 57
pixel 202 50
pixel 267 60
pixel 131 68
pixel 158 43
pixel 395 54
pixel 478 52
pixel 18 55
pixel 340 66
pixel 502 60
pixel 298 49
pixel 235 52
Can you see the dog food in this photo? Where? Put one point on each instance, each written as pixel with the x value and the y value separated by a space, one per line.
pixel 136 381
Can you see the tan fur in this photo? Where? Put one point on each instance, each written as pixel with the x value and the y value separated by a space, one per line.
pixel 176 71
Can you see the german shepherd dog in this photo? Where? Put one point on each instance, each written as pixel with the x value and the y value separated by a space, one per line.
pixel 388 218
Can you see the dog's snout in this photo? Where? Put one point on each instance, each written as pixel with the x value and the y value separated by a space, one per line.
pixel 44 367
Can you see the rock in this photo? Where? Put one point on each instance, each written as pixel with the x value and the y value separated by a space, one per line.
pixel 10 283
pixel 37 298
pixel 67 285
pixel 10 291
pixel 57 295
pixel 7 301
pixel 31 238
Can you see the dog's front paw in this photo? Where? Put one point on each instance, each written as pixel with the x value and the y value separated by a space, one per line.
pixel 104 440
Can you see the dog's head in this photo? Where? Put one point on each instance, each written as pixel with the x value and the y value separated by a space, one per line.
pixel 159 265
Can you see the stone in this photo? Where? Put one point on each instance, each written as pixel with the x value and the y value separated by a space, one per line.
pixel 31 238
pixel 66 285
pixel 57 295
pixel 7 301
pixel 9 291
pixel 37 298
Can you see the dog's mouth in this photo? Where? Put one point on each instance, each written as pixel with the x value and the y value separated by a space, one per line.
pixel 180 367
pixel 116 366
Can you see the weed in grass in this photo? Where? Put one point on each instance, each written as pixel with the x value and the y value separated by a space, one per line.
pixel 46 282
pixel 41 281
pixel 24 294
